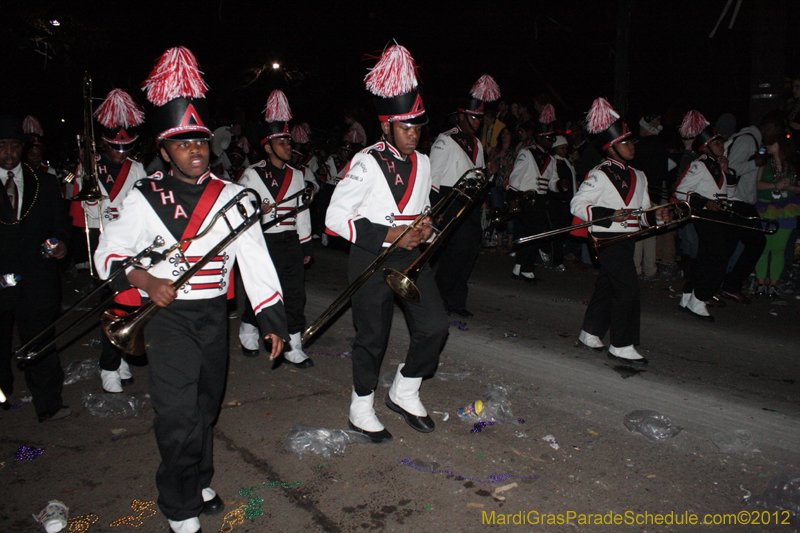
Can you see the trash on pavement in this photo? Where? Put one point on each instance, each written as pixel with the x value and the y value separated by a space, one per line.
pixel 53 517
pixel 108 405
pixel 81 371
pixel 322 441
pixel 651 424
pixel 782 494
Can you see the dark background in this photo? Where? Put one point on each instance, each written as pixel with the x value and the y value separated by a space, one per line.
pixel 563 48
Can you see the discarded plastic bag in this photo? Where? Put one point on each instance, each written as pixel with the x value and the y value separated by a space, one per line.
pixel 453 376
pixel 322 441
pixel 738 441
pixel 782 494
pixel 81 371
pixel 651 424
pixel 495 406
pixel 108 405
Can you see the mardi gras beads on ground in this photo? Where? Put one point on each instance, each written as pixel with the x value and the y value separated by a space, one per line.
pixel 143 508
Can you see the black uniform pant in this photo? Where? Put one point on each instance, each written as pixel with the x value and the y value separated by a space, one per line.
pixel 615 303
pixel 458 256
pixel 534 221
pixel 43 376
pixel 319 207
pixel 715 244
pixel 287 256
pixel 753 242
pixel 373 308
pixel 187 351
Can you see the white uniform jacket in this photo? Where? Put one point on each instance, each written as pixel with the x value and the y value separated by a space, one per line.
pixel 534 170
pixel 608 187
pixel 140 222
pixel 380 190
pixel 116 189
pixel 336 169
pixel 703 177
pixel 453 153
pixel 254 178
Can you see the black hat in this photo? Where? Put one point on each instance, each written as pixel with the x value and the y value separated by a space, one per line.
pixel 393 81
pixel 177 90
pixel 605 125
pixel 484 90
pixel 119 116
pixel 277 115
pixel 11 128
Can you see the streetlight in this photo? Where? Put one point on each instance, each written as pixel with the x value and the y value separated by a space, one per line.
pixel 54 22
pixel 276 66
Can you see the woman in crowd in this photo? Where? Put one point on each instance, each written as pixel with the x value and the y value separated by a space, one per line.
pixel 503 156
pixel 778 199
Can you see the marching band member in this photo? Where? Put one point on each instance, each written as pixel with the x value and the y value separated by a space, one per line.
pixel 453 153
pixel 705 185
pixel 289 242
pixel 187 344
pixel 386 186
pixel 34 147
pixel 534 170
pixel 614 188
pixel 119 116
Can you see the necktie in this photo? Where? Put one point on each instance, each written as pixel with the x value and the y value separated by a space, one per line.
pixel 11 190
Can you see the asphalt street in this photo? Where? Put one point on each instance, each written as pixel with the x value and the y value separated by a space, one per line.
pixel 562 452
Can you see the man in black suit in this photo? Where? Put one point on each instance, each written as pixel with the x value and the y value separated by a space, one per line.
pixel 31 213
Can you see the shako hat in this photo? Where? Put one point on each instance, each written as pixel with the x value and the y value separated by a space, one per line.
pixel 695 126
pixel 119 116
pixel 547 121
pixel 176 88
pixel 484 90
pixel 276 118
pixel 393 81
pixel 605 125
pixel 33 132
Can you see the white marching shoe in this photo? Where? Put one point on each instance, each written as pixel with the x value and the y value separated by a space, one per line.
pixel 190 525
pixel 685 299
pixel 295 354
pixel 125 376
pixel 364 420
pixel 591 341
pixel 698 308
pixel 248 336
pixel 626 355
pixel 403 398
pixel 111 381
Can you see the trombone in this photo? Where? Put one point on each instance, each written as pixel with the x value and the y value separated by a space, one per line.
pixel 88 175
pixel 403 282
pixel 683 208
pixel 525 202
pixel 126 330
pixel 306 196
pixel 24 353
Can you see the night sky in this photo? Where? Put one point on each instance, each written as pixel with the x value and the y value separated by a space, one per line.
pixel 563 48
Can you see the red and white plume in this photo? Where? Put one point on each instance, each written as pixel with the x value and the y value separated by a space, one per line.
pixel 600 117
pixel 243 144
pixel 277 107
pixel 119 110
pixel 394 74
pixel 485 89
pixel 176 75
pixel 299 135
pixel 30 124
pixel 352 137
pixel 548 114
pixel 693 123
